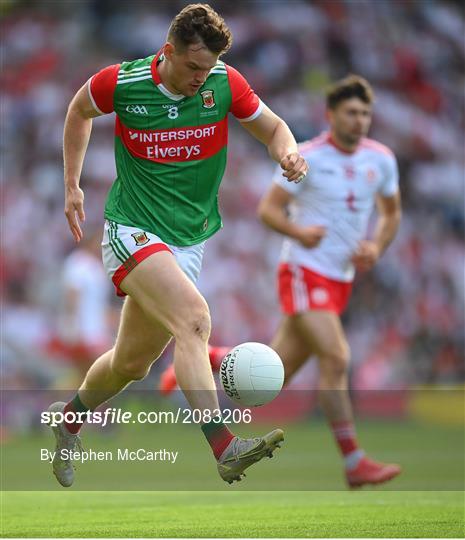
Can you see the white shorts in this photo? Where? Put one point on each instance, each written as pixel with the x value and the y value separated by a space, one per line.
pixel 123 248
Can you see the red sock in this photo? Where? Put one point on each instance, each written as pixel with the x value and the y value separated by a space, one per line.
pixel 344 433
pixel 75 406
pixel 218 436
pixel 216 355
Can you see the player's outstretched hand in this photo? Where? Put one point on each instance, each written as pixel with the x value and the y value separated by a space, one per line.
pixel 311 236
pixel 366 255
pixel 74 211
pixel 294 166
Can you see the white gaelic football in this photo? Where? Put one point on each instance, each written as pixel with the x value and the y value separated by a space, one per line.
pixel 252 374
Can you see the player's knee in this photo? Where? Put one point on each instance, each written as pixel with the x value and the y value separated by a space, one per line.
pixel 200 325
pixel 131 371
pixel 336 363
pixel 194 322
pixel 340 364
pixel 197 323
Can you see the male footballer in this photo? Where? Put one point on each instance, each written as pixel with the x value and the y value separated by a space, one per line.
pixel 170 149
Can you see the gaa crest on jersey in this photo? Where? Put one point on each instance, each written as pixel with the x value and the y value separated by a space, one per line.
pixel 208 99
pixel 140 238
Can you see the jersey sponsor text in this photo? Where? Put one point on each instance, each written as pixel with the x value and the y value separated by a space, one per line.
pixel 163 145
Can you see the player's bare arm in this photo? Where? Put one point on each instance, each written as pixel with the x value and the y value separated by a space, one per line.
pixel 275 134
pixel 389 215
pixel 78 126
pixel 272 210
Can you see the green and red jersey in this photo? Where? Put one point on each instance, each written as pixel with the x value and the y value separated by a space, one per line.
pixel 170 150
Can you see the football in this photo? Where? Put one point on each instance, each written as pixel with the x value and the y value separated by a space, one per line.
pixel 252 374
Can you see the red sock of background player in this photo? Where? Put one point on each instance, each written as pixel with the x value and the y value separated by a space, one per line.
pixel 218 436
pixel 346 439
pixel 216 355
pixel 168 377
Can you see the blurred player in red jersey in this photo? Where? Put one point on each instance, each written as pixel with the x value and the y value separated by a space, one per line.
pixel 171 133
pixel 324 219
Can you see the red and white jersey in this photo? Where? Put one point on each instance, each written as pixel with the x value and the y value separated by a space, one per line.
pixel 338 193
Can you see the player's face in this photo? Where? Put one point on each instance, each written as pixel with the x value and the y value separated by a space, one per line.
pixel 189 68
pixel 350 120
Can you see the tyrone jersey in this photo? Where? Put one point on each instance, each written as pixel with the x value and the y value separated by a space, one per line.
pixel 338 193
pixel 170 150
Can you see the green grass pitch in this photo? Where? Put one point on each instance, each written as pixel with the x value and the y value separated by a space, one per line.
pixel 299 493
pixel 249 514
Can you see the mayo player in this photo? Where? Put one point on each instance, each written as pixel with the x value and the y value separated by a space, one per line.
pixel 171 135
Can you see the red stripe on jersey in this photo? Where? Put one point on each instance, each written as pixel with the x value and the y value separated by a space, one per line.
pixel 102 87
pixel 172 145
pixel 133 261
pixel 285 289
pixel 155 74
pixel 245 101
pixel 321 140
pixel 338 147
pixel 377 146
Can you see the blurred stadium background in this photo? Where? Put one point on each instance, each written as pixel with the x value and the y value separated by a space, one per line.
pixel 405 321
pixel 406 318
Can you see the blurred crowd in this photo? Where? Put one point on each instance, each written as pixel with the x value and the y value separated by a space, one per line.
pixel 406 319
